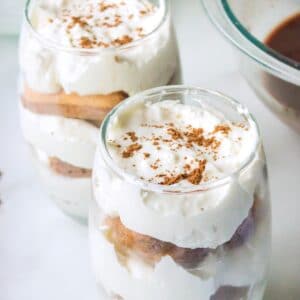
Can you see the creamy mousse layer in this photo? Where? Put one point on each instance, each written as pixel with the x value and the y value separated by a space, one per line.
pixel 178 146
pixel 242 268
pixel 70 140
pixel 71 194
pixel 98 25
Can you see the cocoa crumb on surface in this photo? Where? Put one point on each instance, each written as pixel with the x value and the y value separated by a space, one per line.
pixel 132 136
pixel 126 39
pixel 224 129
pixel 77 21
pixel 170 180
pixel 86 43
pixel 195 177
pixel 115 23
pixel 174 133
pixel 187 167
pixel 104 6
pixel 130 150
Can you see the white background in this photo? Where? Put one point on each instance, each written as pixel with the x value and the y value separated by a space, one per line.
pixel 44 255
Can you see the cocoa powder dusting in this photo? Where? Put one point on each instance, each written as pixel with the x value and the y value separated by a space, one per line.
pixel 170 180
pixel 132 136
pixel 174 133
pixel 194 167
pixel 130 150
pixel 224 129
pixel 126 39
pixel 196 176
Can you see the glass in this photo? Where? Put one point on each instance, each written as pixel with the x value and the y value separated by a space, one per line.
pixel 130 264
pixel 66 92
pixel 247 24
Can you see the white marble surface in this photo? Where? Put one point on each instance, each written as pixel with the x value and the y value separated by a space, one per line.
pixel 44 255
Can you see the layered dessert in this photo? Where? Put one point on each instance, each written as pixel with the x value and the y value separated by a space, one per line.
pixel 78 60
pixel 181 203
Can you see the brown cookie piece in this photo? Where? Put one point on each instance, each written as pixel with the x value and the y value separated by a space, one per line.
pixel 92 107
pixel 62 168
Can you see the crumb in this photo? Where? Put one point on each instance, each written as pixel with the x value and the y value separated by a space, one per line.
pixel 129 152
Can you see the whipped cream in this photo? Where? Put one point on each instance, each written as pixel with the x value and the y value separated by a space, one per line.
pixel 204 219
pixel 172 143
pixel 95 24
pixel 72 141
pixel 83 25
pixel 72 195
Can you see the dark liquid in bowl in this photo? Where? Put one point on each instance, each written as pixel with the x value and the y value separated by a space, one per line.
pixel 285 39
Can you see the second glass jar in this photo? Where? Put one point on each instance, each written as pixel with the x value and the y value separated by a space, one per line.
pixel 66 92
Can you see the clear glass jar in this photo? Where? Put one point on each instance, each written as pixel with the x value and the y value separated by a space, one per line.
pixel 132 261
pixel 66 92
pixel 274 77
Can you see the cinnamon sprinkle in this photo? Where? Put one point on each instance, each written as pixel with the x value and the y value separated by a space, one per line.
pixel 86 43
pixel 187 167
pixel 174 133
pixel 132 136
pixel 103 14
pixel 170 180
pixel 224 129
pixel 116 23
pixel 126 39
pixel 196 176
pixel 146 155
pixel 204 143
pixel 129 151
pixel 77 21
pixel 103 6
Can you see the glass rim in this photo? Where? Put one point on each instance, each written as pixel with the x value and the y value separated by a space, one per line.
pixel 93 51
pixel 175 189
pixel 284 67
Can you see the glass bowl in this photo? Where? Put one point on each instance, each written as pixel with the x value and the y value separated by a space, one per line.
pixel 274 77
